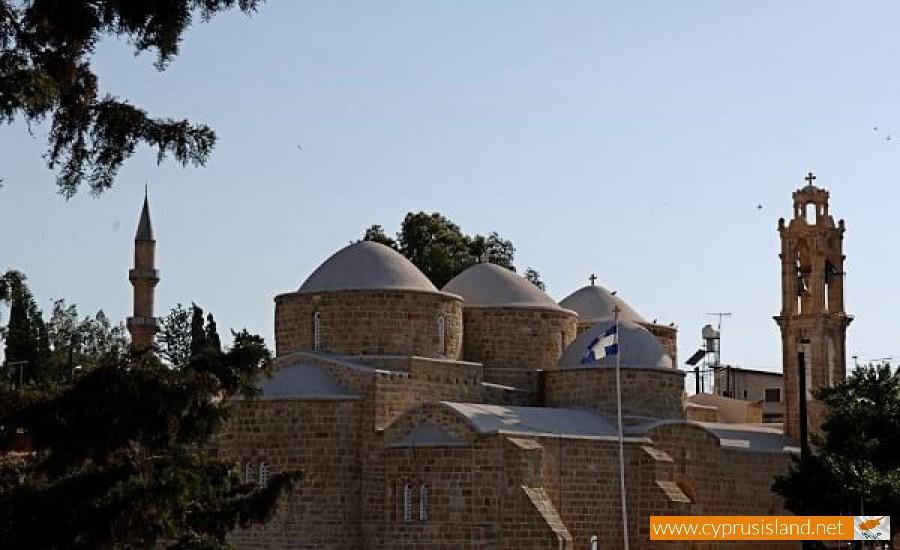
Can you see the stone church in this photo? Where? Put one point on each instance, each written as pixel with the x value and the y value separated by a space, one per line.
pixel 468 416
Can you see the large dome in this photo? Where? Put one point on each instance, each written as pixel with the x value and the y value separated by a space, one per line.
pixel 637 347
pixel 367 265
pixel 594 304
pixel 489 285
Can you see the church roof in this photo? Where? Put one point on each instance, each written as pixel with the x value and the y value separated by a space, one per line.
pixel 145 228
pixel 750 437
pixel 494 286
pixel 367 265
pixel 593 303
pixel 534 420
pixel 302 380
pixel 637 347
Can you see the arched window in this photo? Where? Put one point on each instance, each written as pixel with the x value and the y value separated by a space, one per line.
pixel 423 503
pixel 442 334
pixel 263 474
pixel 407 502
pixel 249 472
pixel 810 212
pixel 317 331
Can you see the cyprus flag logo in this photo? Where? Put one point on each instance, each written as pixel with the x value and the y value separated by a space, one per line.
pixel 871 528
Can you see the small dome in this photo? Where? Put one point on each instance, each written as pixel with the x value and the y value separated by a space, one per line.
pixel 367 265
pixel 494 286
pixel 637 347
pixel 594 304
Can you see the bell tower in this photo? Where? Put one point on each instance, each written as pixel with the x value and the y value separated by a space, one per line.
pixel 144 278
pixel 812 320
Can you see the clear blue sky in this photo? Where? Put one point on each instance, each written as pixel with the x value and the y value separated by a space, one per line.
pixel 633 140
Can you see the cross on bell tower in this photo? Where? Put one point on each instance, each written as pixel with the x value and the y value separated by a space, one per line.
pixel 812 320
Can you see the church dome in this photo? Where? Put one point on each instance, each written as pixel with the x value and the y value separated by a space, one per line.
pixel 367 265
pixel 637 347
pixel 594 303
pixel 489 285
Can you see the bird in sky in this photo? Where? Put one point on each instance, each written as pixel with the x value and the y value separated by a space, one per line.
pixel 759 207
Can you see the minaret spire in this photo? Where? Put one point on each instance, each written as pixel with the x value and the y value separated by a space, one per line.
pixel 144 278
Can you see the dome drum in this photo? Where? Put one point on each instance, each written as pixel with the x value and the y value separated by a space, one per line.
pixel 646 391
pixel 369 322
pixel 525 338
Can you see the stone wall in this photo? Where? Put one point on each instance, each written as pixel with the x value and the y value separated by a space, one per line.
pixel 524 338
pixel 647 391
pixel 324 439
pixel 426 380
pixel 668 337
pixel 712 475
pixel 529 380
pixel 371 322
pixel 718 481
pixel 486 494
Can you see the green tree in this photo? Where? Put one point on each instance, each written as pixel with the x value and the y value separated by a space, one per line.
pixel 856 458
pixel 46 72
pixel 535 278
pixel 82 343
pixel 435 245
pixel 376 233
pixel 440 249
pixel 27 342
pixel 211 333
pixel 183 335
pixel 173 340
pixel 121 457
pixel 198 331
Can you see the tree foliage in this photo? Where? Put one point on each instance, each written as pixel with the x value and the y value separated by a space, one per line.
pixel 120 457
pixel 26 339
pixel 439 248
pixel 82 343
pixel 46 72
pixel 183 335
pixel 535 278
pixel 856 462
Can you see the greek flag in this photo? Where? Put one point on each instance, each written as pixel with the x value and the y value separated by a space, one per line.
pixel 602 346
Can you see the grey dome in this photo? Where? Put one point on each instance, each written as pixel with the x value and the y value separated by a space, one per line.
pixel 489 285
pixel 637 347
pixel 594 304
pixel 367 265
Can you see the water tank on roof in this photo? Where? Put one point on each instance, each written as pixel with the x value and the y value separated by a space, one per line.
pixel 711 337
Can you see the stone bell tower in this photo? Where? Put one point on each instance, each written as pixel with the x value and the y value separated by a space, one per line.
pixel 143 277
pixel 813 321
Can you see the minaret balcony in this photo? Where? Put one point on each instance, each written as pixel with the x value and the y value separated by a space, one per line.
pixel 143 273
pixel 142 321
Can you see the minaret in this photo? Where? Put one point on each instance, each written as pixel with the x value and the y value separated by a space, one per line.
pixel 813 321
pixel 144 277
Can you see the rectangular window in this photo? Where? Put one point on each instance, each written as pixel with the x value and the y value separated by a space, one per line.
pixel 407 502
pixel 773 395
pixel 263 474
pixel 423 503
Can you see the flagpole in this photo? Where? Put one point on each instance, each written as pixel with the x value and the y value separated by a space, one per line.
pixel 616 311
